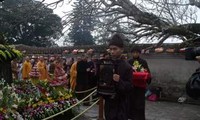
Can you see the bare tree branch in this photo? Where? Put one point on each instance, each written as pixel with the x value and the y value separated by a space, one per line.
pixel 143 18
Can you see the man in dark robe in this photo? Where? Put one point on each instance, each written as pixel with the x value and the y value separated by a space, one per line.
pixel 92 72
pixel 116 106
pixel 137 104
pixel 82 77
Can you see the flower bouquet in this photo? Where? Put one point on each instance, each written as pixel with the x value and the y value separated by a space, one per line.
pixel 140 75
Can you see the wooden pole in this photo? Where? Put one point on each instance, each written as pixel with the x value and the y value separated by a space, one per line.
pixel 101 108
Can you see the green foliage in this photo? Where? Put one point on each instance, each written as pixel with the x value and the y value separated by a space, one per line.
pixel 29 22
pixel 8 53
pixel 80 31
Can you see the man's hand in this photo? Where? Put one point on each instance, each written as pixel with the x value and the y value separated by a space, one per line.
pixel 116 77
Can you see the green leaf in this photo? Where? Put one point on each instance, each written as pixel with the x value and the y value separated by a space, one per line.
pixel 8 53
pixel 3 54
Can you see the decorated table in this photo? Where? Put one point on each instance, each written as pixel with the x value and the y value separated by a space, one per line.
pixel 27 101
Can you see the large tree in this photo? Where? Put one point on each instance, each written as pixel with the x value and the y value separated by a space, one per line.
pixel 149 19
pixel 29 22
pixel 81 23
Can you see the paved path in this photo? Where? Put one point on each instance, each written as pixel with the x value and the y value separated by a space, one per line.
pixel 157 111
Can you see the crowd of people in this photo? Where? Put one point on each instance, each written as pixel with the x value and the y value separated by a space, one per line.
pixel 81 74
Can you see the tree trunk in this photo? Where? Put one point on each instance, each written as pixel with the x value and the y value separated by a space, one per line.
pixel 6 72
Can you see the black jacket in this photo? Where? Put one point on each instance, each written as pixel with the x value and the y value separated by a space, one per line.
pixel 141 61
pixel 116 108
pixel 82 76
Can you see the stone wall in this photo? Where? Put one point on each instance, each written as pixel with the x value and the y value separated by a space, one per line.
pixel 170 71
pixel 97 48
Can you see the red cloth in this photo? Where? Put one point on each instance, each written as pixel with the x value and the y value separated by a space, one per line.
pixel 140 79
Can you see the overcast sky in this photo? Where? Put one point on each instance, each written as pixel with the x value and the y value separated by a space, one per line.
pixel 62 7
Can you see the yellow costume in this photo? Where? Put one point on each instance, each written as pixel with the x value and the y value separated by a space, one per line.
pixel 42 70
pixel 26 70
pixel 73 75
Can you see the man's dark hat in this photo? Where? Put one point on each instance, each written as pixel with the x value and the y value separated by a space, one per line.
pixel 117 40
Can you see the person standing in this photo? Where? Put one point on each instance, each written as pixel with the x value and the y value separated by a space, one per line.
pixel 26 69
pixel 60 76
pixel 92 72
pixel 137 104
pixel 73 74
pixel 82 77
pixel 42 68
pixel 14 69
pixel 20 66
pixel 116 107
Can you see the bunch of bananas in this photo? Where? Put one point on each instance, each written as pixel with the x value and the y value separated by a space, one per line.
pixel 7 53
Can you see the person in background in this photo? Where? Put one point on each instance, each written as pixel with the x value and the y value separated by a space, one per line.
pixel 26 69
pixel 20 66
pixel 73 74
pixel 33 61
pixel 135 51
pixel 183 98
pixel 137 104
pixel 82 77
pixel 71 61
pixel 116 107
pixel 104 55
pixel 60 76
pixel 67 65
pixel 92 72
pixel 42 68
pixel 14 69
pixel 51 66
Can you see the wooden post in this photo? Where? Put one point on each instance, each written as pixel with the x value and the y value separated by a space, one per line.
pixel 101 108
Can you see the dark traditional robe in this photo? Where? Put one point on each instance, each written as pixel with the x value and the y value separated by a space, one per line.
pixel 82 78
pixel 116 107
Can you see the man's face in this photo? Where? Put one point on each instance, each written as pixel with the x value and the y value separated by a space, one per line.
pixel 27 59
pixel 115 51
pixel 135 54
pixel 85 58
pixel 42 59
